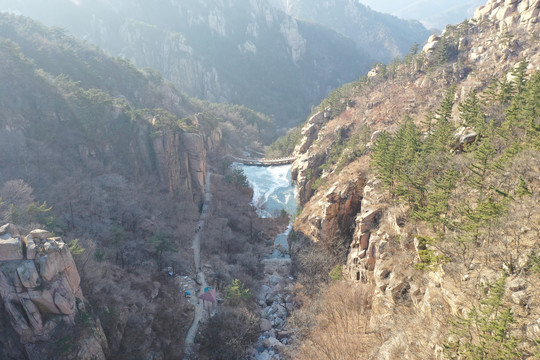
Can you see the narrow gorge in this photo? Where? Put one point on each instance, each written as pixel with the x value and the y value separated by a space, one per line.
pixel 399 220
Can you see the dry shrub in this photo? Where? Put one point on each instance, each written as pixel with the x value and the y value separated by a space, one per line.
pixel 228 333
pixel 313 264
pixel 340 329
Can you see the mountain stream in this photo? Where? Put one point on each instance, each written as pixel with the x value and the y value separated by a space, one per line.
pixel 273 192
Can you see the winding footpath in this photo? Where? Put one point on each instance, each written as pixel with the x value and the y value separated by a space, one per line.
pixel 200 314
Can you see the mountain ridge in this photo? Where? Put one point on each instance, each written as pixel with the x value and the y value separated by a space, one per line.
pixel 219 53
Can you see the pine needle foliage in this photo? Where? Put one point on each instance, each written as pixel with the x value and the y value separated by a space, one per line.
pixel 485 331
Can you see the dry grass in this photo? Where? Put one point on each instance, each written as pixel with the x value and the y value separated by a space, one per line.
pixel 339 330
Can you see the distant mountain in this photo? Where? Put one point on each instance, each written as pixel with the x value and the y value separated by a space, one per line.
pixel 239 51
pixel 433 14
pixel 383 36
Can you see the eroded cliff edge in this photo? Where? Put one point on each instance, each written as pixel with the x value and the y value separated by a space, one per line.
pixel 41 294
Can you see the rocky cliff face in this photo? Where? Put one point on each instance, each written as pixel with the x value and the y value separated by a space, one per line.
pixel 408 306
pixel 41 294
pixel 385 36
pixel 510 13
pixel 486 55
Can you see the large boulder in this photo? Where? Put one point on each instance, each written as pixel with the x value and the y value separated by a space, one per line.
pixel 40 291
pixel 11 249
pixel 28 274
pixel 464 136
pixel 8 231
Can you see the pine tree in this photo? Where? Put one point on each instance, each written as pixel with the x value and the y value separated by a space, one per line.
pixel 441 137
pixel 436 209
pixel 483 155
pixel 411 54
pixel 519 76
pixel 518 85
pixel 484 333
pixel 491 95
pixel 471 113
pixel 383 159
pixel 529 111
pixel 405 148
pixel 407 142
pixel 522 189
pixel 442 52
pixel 505 94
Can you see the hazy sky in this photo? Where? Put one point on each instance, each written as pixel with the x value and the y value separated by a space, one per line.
pixel 433 13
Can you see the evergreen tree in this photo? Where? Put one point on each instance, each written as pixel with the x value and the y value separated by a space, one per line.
pixel 519 76
pixel 491 95
pixel 484 333
pixel 471 113
pixel 522 189
pixel 436 209
pixel 529 111
pixel 384 158
pixel 442 52
pixel 237 291
pixel 441 136
pixel 483 155
pixel 407 142
pixel 162 244
pixel 411 171
pixel 518 86
pixel 411 53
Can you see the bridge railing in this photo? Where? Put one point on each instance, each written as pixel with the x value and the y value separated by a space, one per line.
pixel 282 160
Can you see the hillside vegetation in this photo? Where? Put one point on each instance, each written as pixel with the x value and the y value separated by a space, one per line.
pixel 113 159
pixel 420 185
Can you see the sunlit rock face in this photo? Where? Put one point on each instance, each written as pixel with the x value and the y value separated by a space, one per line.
pixel 40 290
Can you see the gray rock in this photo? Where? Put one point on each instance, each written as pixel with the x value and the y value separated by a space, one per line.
pixel 31 249
pixel 274 280
pixel 270 333
pixel 251 353
pixel 39 234
pixel 517 284
pixel 264 356
pixel 282 334
pixel 464 136
pixel 265 290
pixel 8 231
pixel 520 297
pixel 11 249
pixel 271 342
pixel 265 325
pixel 278 322
pixel 28 274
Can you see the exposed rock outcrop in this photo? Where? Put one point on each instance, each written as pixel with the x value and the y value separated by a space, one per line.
pixel 40 291
pixel 416 288
pixel 509 13
pixel 301 170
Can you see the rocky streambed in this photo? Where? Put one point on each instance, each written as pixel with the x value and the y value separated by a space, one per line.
pixel 273 192
pixel 275 300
